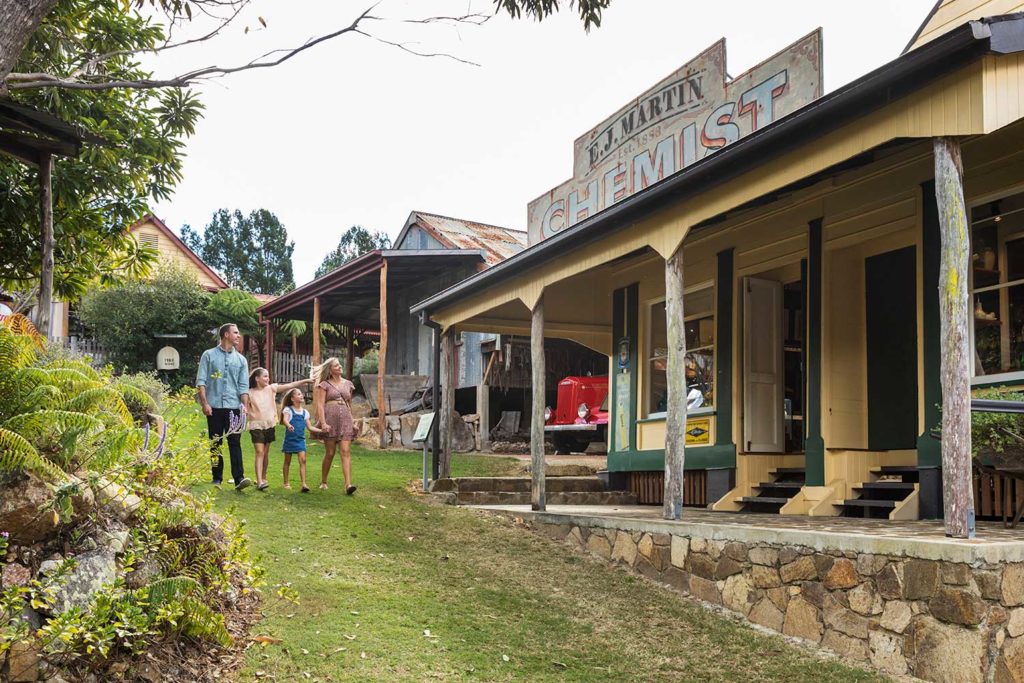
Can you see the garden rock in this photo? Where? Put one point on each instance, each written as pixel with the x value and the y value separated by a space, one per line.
pixel 15 574
pixel 409 423
pixel 20 510
pixel 463 440
pixel 94 569
pixel 22 663
pixel 957 607
pixel 116 499
pixel 145 573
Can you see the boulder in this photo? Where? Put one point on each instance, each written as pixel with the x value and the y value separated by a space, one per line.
pixel 463 439
pixel 145 572
pixel 802 620
pixel 957 606
pixel 887 653
pixel 767 614
pixel 1013 585
pixel 22 663
pixel 116 499
pixel 360 407
pixel 842 574
pixel 896 616
pixel 20 504
pixel 948 654
pixel 409 423
pixel 93 571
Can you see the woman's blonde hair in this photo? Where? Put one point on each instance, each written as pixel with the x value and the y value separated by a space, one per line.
pixel 322 372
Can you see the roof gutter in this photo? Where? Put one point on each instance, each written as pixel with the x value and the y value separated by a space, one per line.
pixel 910 72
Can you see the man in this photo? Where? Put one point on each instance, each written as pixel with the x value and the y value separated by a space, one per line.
pixel 223 382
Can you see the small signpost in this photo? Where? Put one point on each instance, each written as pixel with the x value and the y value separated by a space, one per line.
pixel 422 434
pixel 167 358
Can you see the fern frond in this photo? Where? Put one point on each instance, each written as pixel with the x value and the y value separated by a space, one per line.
pixel 17 454
pixel 199 621
pixel 100 397
pixel 19 325
pixel 81 366
pixel 42 397
pixel 165 590
pixel 34 425
pixel 136 396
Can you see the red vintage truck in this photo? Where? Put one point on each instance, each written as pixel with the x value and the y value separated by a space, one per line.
pixel 580 415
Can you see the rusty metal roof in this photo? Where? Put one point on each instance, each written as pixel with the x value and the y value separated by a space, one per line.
pixel 496 243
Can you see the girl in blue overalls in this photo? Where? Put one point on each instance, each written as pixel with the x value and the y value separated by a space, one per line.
pixel 295 418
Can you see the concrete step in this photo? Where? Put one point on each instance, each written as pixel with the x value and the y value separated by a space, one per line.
pixel 522 484
pixel 553 498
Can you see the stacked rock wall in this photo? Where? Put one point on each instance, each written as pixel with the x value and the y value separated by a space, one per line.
pixel 934 619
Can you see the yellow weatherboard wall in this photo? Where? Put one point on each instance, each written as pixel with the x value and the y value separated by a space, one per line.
pixel 949 14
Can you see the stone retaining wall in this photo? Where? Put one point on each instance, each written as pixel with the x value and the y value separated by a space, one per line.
pixel 936 620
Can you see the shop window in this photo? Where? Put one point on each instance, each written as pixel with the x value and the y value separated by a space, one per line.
pixel 699 324
pixel 997 286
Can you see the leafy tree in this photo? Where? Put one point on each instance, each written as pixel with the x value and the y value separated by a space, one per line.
pixel 125 317
pixel 251 252
pixel 99 194
pixel 356 241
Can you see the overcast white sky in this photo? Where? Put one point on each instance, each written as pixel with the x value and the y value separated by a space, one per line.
pixel 355 132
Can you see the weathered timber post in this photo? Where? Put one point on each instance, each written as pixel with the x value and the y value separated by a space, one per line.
pixel 43 311
pixel 675 418
pixel 447 412
pixel 350 352
pixel 382 354
pixel 316 331
pixel 538 497
pixel 954 326
pixel 268 351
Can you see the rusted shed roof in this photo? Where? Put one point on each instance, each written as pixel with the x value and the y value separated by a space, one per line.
pixel 496 243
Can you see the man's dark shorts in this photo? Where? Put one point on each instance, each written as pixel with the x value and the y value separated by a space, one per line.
pixel 262 435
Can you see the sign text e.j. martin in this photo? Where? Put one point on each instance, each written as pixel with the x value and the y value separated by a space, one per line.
pixel 693 112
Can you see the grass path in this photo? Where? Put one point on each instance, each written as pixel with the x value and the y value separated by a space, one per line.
pixel 394 588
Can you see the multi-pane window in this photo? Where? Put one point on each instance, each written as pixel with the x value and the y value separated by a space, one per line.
pixel 997 285
pixel 699 325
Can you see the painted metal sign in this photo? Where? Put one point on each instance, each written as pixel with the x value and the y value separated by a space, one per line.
pixel 694 112
pixel 167 358
pixel 698 432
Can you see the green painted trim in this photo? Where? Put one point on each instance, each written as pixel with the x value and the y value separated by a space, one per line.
pixel 725 287
pixel 625 305
pixel 929 450
pixel 633 332
pixel 696 415
pixel 814 447
pixel 697 458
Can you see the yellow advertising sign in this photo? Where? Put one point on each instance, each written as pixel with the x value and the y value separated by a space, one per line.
pixel 698 432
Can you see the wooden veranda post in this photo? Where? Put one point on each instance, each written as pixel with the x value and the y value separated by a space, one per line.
pixel 316 331
pixel 268 342
pixel 46 228
pixel 675 418
pixel 954 327
pixel 350 352
pixel 447 400
pixel 382 354
pixel 538 498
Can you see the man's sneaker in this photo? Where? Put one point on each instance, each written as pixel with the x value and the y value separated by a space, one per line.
pixel 216 482
pixel 244 484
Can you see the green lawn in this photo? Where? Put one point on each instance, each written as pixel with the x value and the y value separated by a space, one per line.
pixel 394 588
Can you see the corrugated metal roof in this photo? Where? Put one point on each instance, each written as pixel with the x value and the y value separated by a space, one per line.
pixel 496 242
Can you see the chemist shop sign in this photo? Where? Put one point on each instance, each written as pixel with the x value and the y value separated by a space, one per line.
pixel 692 113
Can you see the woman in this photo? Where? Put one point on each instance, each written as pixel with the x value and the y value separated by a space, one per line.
pixel 331 400
pixel 262 418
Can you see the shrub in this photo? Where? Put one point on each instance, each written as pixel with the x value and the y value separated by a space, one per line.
pixel 151 384
pixel 997 432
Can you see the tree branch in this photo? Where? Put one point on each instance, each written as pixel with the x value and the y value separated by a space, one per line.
pixel 79 79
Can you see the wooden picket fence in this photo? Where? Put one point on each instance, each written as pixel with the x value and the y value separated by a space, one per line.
pixel 289 367
pixel 88 347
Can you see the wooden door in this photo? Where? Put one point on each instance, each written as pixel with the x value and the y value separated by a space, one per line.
pixel 762 367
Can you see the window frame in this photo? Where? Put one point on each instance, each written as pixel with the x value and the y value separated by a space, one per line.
pixel 1013 376
pixel 648 348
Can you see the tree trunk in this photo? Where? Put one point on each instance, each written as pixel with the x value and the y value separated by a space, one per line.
pixel 44 310
pixel 18 21
pixel 538 498
pixel 955 320
pixel 447 412
pixel 675 418
pixel 382 356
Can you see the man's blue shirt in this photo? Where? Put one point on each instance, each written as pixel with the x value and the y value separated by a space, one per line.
pixel 225 374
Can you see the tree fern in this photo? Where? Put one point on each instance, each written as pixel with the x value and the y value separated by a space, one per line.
pixel 41 422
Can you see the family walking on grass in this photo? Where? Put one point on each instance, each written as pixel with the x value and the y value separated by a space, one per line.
pixel 234 399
